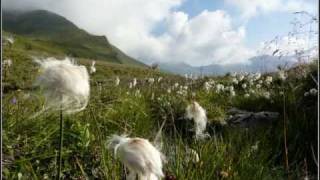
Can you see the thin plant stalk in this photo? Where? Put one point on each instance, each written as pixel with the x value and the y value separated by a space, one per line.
pixel 60 145
pixel 285 136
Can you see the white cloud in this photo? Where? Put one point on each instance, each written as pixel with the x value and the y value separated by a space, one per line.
pixel 206 38
pixel 250 8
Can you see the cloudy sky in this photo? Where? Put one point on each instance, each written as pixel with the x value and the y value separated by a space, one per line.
pixel 198 32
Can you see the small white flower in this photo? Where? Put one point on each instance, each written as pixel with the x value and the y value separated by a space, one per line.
pixel 151 80
pixel 257 76
pixel 235 81
pixel 207 86
pixel 244 86
pixel 219 88
pixel 246 95
pixel 306 94
pixel 313 91
pixel 176 85
pixel 130 85
pixel 117 81
pixel 19 175
pixel 169 90
pixel 240 78
pixel 134 82
pixel 7 62
pixel 258 86
pixel 159 79
pixel 192 156
pixel 232 93
pixel 282 75
pixel 268 79
pixel 92 68
pixel 266 95
pixel 252 91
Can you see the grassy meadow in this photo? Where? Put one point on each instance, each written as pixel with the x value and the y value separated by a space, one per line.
pixel 30 144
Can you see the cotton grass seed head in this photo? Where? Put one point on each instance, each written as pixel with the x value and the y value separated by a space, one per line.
pixel 138 155
pixel 198 114
pixel 65 84
pixel 92 67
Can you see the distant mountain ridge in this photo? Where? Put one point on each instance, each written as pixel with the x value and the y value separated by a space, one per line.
pixel 264 63
pixel 41 25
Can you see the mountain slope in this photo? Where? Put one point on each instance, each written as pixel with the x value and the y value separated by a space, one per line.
pixel 56 31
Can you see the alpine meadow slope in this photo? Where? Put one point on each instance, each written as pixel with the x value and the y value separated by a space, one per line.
pixel 62 36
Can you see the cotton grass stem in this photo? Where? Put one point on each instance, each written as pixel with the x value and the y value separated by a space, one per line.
pixel 285 136
pixel 60 145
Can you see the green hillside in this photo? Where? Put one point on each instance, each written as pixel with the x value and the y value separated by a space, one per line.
pixel 49 32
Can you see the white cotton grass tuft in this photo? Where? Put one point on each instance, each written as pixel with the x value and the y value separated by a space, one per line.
pixel 282 75
pixel 117 81
pixel 92 67
pixel 139 156
pixel 198 114
pixel 134 82
pixel 7 62
pixel 192 156
pixel 65 85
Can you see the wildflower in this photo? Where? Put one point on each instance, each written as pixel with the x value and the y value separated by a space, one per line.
pixel 151 80
pixel 266 95
pixel 282 75
pixel 10 40
pixel 257 76
pixel 255 147
pixel 235 81
pixel 65 84
pixel 244 85
pixel 268 79
pixel 260 81
pixel 7 62
pixel 134 82
pixel 240 78
pixel 246 95
pixel 139 156
pixel 117 81
pixel 130 85
pixel 92 68
pixel 313 91
pixel 207 86
pixel 251 82
pixel 137 93
pixel 14 100
pixel 159 79
pixel 219 88
pixel 252 91
pixel 169 90
pixel 192 156
pixel 258 86
pixel 232 93
pixel 306 94
pixel 230 88
pixel 19 175
pixel 198 114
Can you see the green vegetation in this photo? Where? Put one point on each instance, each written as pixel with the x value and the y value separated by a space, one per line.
pixel 30 143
